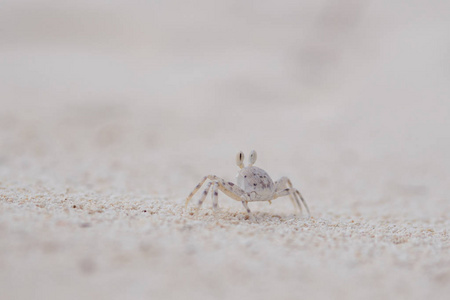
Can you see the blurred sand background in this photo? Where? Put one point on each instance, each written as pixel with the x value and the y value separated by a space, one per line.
pixel 112 111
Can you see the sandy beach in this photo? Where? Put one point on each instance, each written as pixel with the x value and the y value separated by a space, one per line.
pixel 110 114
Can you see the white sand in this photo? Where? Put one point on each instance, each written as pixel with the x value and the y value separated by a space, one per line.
pixel 106 125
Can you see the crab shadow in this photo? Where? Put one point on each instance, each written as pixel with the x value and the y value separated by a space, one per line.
pixel 254 217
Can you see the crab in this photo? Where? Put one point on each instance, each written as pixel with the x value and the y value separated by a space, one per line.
pixel 253 184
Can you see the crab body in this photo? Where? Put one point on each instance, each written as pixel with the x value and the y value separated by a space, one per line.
pixel 256 182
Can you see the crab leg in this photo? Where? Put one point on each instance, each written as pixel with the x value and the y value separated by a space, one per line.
pixel 198 186
pixel 205 192
pixel 280 184
pixel 215 195
pixel 292 191
pixel 233 191
pixel 245 203
pixel 236 193
pixel 303 201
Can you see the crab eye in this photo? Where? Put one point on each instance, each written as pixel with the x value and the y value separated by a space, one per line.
pixel 252 158
pixel 240 159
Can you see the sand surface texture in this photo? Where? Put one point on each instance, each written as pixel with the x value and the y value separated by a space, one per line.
pixel 111 114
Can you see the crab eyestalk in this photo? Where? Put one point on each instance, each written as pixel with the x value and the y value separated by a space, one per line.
pixel 252 158
pixel 240 159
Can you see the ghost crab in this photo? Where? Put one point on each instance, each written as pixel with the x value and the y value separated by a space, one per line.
pixel 253 184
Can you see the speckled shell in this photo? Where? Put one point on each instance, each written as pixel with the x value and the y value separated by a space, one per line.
pixel 256 182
